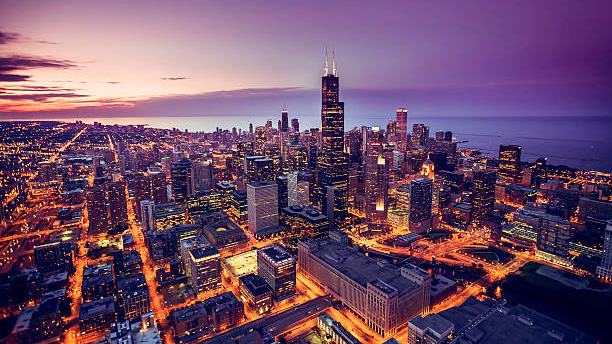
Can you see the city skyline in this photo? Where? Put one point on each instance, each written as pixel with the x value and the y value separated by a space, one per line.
pixel 466 59
pixel 156 190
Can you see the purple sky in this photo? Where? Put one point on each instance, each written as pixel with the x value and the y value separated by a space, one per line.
pixel 437 58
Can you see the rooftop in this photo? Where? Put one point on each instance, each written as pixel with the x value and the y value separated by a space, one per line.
pixel 360 268
pixel 94 308
pixel 509 325
pixel 204 252
pixel 188 313
pixel 277 254
pixel 255 284
pixel 242 264
pixel 433 322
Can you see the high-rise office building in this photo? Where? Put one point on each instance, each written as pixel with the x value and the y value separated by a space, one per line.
pixel 448 136
pixel 553 238
pixel 283 191
pixel 260 140
pixel 243 149
pixel 509 163
pixel 483 196
pixel 297 158
pixel 265 170
pixel 401 128
pixel 262 198
pixel 97 211
pixel 305 223
pixel 332 164
pixel 117 201
pixel 277 267
pixel 182 179
pixel 273 151
pixel 295 125
pixel 250 168
pixel 205 269
pixel 203 175
pixel 159 191
pixel 421 193
pixel 402 194
pixel 298 194
pixel 420 134
pixel 239 207
pixel 203 202
pixel 147 214
pixel 604 270
pixel 141 186
pixel 284 127
pixel 376 178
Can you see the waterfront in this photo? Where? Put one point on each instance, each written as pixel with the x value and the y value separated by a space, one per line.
pixel 576 142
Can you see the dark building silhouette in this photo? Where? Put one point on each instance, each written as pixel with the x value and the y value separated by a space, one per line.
pixel 483 196
pixel 182 180
pixel 509 163
pixel 332 162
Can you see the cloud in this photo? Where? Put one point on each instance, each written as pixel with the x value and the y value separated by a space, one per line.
pixel 13 77
pixel 40 97
pixel 36 88
pixel 175 78
pixel 6 37
pixel 22 62
pixel 45 42
pixel 113 82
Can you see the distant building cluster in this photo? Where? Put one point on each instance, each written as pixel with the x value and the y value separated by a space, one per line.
pixel 131 234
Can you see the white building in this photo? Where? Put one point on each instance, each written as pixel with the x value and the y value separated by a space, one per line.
pixel 147 214
pixel 298 191
pixel 262 199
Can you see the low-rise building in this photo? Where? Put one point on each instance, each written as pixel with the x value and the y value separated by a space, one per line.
pixel 256 293
pixel 97 315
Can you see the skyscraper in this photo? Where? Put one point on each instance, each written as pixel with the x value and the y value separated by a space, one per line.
pixel 284 121
pixel 159 191
pixel 147 214
pixel 483 196
pixel 182 180
pixel 298 194
pixel 277 267
pixel 420 134
pixel 117 203
pixel 376 179
pixel 97 212
pixel 401 128
pixel 509 163
pixel 141 186
pixel 203 175
pixel 262 198
pixel 333 165
pixel 205 269
pixel 295 125
pixel 421 193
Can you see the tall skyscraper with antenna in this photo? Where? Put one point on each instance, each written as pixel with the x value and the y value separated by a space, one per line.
pixel 284 120
pixel 332 162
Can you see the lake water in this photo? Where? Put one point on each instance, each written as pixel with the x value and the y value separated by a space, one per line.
pixel 583 143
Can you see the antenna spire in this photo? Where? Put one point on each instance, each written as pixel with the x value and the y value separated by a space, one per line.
pixel 326 64
pixel 334 62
